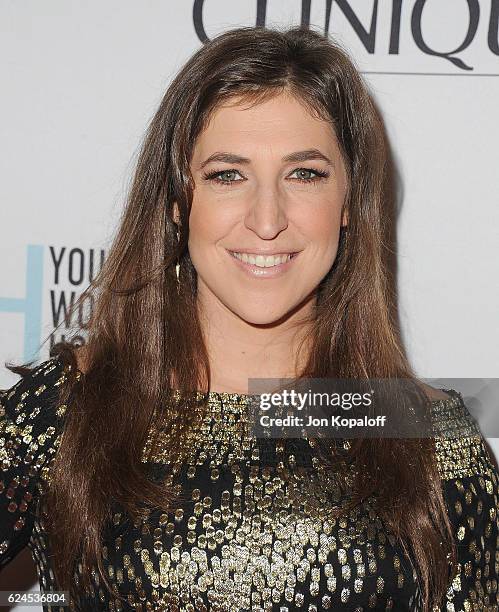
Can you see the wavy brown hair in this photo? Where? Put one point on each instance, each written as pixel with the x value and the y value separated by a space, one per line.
pixel 144 336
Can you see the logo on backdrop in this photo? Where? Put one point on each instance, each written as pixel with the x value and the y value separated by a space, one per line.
pixel 401 37
pixel 53 284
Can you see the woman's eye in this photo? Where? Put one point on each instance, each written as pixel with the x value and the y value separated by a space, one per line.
pixel 226 176
pixel 304 175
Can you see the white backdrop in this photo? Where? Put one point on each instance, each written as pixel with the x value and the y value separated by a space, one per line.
pixel 82 80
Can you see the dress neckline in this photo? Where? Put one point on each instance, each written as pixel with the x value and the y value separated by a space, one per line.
pixel 225 397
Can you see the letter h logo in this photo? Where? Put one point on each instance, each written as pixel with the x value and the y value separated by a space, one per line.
pixel 31 304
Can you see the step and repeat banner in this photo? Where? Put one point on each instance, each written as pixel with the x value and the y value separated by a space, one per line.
pixel 81 81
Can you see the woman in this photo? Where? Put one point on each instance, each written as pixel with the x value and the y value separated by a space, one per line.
pixel 131 492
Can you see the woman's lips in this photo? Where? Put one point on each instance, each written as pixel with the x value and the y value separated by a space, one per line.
pixel 258 272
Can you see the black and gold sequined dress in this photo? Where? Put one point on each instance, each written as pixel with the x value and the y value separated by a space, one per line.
pixel 253 531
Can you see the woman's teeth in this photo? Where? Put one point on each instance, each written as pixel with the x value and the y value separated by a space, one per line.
pixel 262 261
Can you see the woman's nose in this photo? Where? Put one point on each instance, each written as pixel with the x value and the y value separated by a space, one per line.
pixel 267 216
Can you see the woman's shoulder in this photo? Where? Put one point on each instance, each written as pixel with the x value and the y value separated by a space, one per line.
pixel 33 400
pixel 461 448
pixel 435 394
pixel 31 422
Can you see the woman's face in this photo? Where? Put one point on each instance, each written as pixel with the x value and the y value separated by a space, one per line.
pixel 259 191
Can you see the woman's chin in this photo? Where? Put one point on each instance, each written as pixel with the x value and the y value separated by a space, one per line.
pixel 262 315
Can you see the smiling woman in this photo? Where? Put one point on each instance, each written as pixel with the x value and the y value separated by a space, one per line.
pixel 128 466
pixel 278 188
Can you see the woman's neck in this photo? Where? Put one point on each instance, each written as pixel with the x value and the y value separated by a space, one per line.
pixel 239 350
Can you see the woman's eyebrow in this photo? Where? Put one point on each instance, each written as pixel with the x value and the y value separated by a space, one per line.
pixel 297 156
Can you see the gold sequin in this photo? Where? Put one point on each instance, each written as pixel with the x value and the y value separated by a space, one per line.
pixel 253 530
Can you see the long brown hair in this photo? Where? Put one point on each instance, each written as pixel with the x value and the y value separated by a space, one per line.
pixel 144 335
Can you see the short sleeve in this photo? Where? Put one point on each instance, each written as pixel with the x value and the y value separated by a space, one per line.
pixel 30 424
pixel 470 482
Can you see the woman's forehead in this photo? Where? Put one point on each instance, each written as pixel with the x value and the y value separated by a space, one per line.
pixel 279 124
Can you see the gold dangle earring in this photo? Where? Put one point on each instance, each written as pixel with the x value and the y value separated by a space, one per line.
pixel 177 267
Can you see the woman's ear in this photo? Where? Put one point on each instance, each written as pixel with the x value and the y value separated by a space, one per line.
pixel 344 218
pixel 176 214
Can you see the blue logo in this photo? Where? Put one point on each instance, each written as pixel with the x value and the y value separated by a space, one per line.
pixel 31 304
